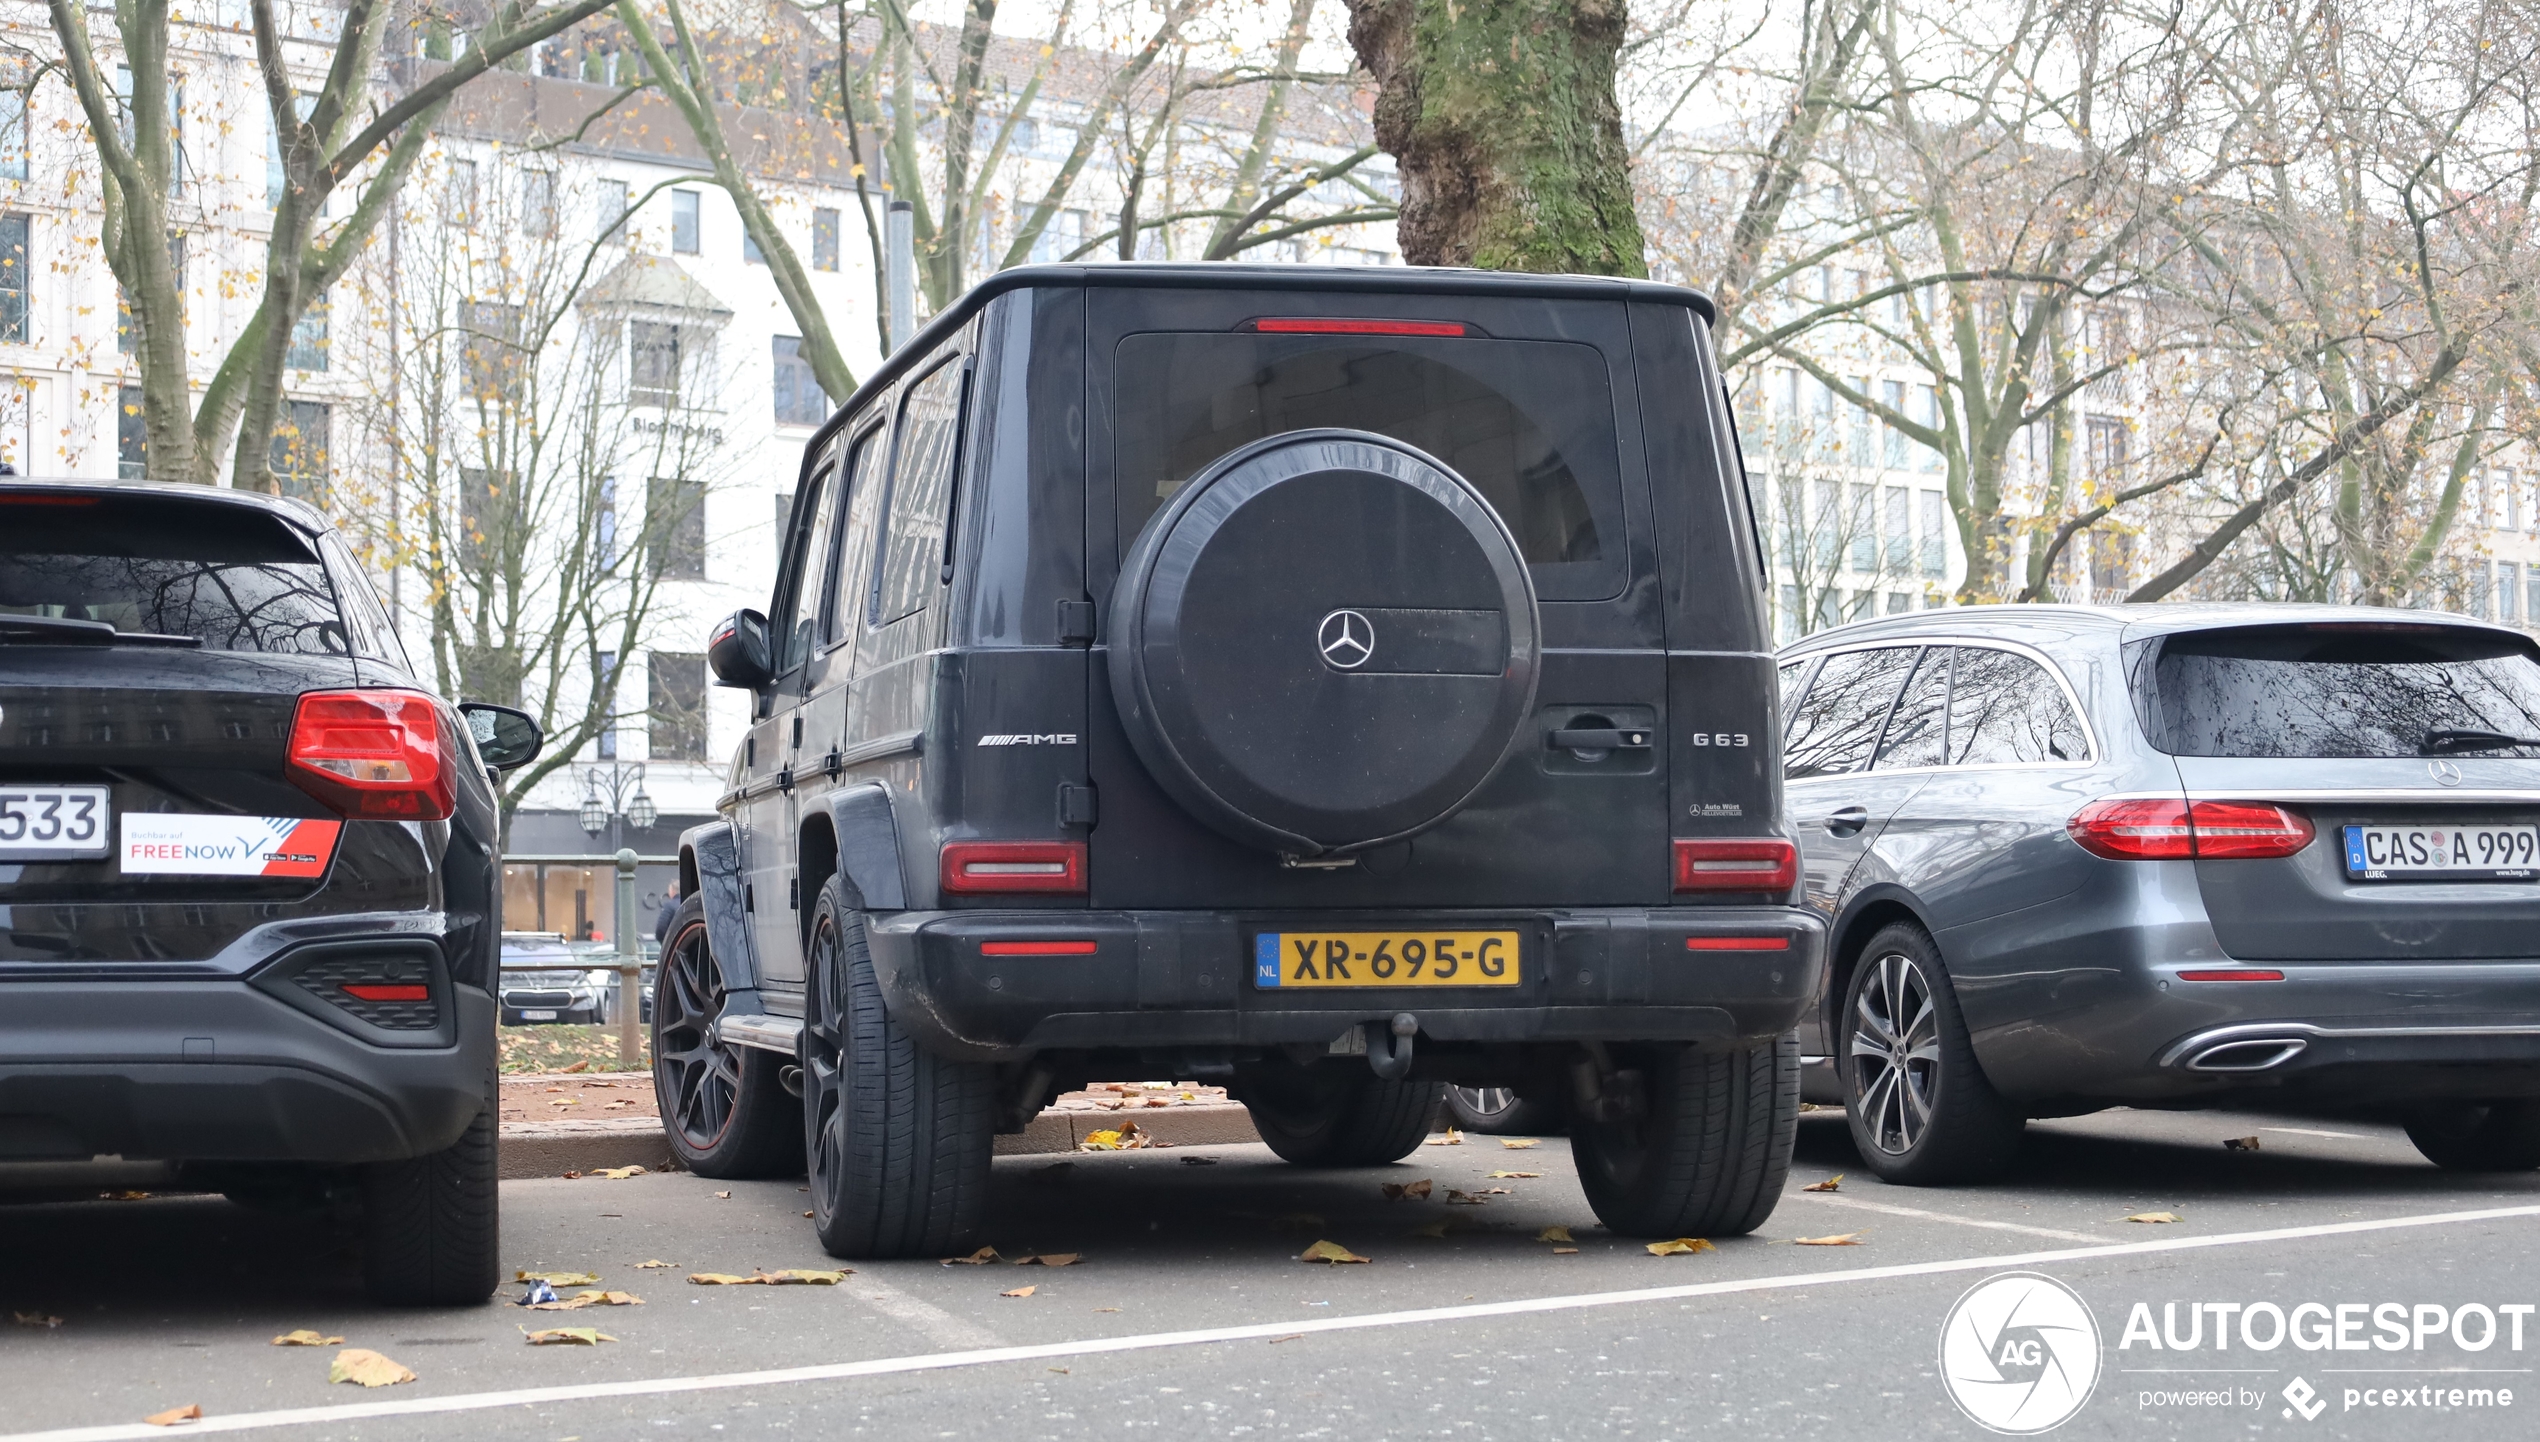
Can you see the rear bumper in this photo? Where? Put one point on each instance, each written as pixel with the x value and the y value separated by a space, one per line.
pixel 1184 980
pixel 224 1071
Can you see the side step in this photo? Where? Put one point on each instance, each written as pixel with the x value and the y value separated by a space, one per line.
pixel 764 1033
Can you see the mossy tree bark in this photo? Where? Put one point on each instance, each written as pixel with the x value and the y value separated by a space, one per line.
pixel 1502 118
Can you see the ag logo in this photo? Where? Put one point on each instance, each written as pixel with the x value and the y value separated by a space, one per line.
pixel 2019 1353
pixel 1346 640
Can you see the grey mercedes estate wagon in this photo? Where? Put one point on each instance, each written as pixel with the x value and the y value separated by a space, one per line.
pixel 2170 856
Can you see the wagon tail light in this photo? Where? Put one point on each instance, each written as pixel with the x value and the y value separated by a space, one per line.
pixel 975 867
pixel 2177 830
pixel 375 755
pixel 1706 865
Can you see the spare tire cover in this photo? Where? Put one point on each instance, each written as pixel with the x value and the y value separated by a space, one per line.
pixel 1325 642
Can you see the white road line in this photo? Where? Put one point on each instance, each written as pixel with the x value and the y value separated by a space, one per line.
pixel 1259 1331
pixel 939 1326
pixel 1893 1210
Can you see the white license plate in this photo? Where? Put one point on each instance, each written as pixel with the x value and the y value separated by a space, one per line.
pixel 53 823
pixel 538 1016
pixel 2443 853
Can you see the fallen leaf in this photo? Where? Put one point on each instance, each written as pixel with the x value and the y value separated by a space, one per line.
pixel 567 1337
pixel 1432 1229
pixel 125 1196
pixel 1554 1234
pixel 1106 1309
pixel 559 1279
pixel 1395 1191
pixel 617 1174
pixel 1518 1175
pixel 721 1279
pixel 803 1277
pixel 1831 1184
pixel 620 1299
pixel 578 1066
pixel 1519 1144
pixel 577 1176
pixel 2156 1217
pixel 1019 1292
pixel 1455 1198
pixel 306 1338
pixel 1565 1251
pixel 1101 1141
pixel 724 1196
pixel 1448 1138
pixel 190 1412
pixel 1839 1239
pixel 362 1365
pixel 35 1319
pixel 1052 1259
pixel 1332 1252
pixel 1199 1161
pixel 979 1258
pixel 654 1266
pixel 1680 1247
pixel 2240 1144
pixel 1292 1336
pixel 806 1214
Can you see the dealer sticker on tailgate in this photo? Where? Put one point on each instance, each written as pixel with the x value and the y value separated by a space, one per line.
pixel 1384 958
pixel 170 844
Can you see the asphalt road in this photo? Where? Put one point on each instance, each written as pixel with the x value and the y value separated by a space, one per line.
pixel 1485 1332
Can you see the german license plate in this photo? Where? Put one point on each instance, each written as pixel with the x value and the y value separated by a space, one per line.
pixel 1286 959
pixel 52 823
pixel 2443 853
pixel 547 1015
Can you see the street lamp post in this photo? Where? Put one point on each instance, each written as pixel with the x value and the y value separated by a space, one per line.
pixel 611 815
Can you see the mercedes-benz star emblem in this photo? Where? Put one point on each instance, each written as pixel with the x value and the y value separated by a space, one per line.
pixel 2444 773
pixel 1346 640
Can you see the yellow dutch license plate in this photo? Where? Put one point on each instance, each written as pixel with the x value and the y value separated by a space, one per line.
pixel 1286 959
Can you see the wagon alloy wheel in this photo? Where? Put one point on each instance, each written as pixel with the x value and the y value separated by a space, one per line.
pixel 1920 1108
pixel 724 1108
pixel 1502 1111
pixel 1896 1053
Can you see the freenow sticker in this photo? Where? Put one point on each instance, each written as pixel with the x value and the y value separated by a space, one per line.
pixel 226 845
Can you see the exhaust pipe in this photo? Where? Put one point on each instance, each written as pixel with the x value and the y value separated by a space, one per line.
pixel 2249 1054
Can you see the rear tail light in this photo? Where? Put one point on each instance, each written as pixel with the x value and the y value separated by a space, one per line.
pixel 1737 943
pixel 2164 829
pixel 379 755
pixel 2236 974
pixel 1705 865
pixel 1039 948
pixel 992 866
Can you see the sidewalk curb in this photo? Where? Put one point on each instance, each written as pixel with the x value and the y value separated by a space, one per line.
pixel 551 1149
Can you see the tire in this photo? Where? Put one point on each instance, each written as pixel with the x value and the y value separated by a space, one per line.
pixel 2479 1137
pixel 1710 1150
pixel 431 1228
pixel 1500 1112
pixel 724 1108
pixel 898 1139
pixel 1921 1111
pixel 1335 1116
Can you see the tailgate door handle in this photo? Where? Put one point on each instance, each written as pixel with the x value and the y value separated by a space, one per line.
pixel 1605 738
pixel 1848 821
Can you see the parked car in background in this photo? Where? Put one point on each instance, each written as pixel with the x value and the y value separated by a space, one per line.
pixel 248 873
pixel 562 987
pixel 2170 856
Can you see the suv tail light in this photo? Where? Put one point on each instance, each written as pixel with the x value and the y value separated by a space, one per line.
pixel 1743 865
pixel 2174 830
pixel 378 755
pixel 971 867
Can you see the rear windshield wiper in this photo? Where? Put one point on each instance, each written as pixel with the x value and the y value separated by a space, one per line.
pixel 2443 742
pixel 67 630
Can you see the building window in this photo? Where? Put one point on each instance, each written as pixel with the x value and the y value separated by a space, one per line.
pixel 2508 592
pixel 824 239
pixel 678 527
pixel 308 336
pixel 611 199
pixel 485 504
pixel 132 438
pixel 13 134
pixel 462 196
pixel 538 202
pixel 799 399
pixel 604 667
pixel 494 352
pixel 1935 545
pixel 749 248
pixel 300 441
pixel 684 229
pixel 652 363
pixel 14 284
pixel 678 687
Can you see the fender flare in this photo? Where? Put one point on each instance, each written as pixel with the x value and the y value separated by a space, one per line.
pixel 869 845
pixel 714 857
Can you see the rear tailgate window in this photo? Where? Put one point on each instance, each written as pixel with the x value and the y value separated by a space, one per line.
pixel 233 578
pixel 2339 690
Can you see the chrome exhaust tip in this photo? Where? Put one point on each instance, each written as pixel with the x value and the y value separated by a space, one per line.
pixel 2248 1054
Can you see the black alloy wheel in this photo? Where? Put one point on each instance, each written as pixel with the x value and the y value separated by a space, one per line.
pixel 1918 1104
pixel 724 1108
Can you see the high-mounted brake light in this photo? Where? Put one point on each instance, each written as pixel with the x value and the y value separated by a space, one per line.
pixel 989 866
pixel 1743 865
pixel 1335 325
pixel 2163 829
pixel 375 755
pixel 1039 948
pixel 1737 943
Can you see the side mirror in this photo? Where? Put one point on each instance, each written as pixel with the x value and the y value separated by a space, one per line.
pixel 507 739
pixel 738 654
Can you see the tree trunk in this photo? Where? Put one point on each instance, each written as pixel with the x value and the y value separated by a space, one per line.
pixel 1502 117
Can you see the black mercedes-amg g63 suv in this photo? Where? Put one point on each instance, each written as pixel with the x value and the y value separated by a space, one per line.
pixel 1332 683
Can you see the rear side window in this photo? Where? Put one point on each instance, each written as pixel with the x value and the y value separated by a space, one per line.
pixel 1529 423
pixel 234 579
pixel 2340 690
pixel 1916 733
pixel 1794 680
pixel 2004 710
pixel 1838 722
pixel 926 453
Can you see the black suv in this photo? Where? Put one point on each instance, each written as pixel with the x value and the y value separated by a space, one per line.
pixel 250 895
pixel 1335 684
